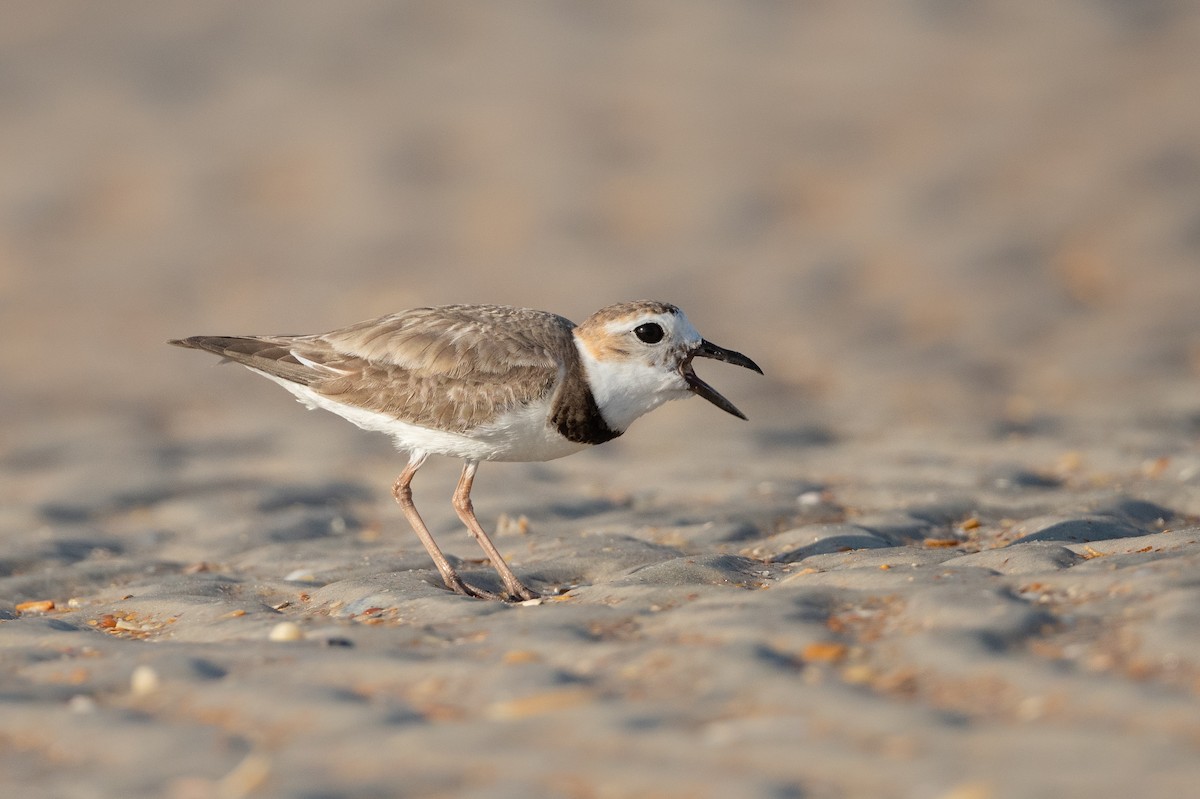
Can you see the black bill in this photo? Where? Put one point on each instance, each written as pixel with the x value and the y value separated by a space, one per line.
pixel 709 350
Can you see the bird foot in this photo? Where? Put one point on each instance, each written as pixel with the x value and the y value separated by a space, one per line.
pixel 512 593
pixel 458 586
pixel 521 593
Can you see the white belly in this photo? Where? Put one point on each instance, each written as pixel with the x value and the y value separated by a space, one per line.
pixel 520 435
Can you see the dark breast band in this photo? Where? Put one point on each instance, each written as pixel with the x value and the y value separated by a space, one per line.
pixel 575 413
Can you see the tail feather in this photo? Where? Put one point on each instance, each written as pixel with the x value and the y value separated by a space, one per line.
pixel 273 356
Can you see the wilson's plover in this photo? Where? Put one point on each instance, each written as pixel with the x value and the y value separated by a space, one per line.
pixel 488 383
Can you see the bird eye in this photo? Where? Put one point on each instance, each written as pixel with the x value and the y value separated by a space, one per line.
pixel 651 333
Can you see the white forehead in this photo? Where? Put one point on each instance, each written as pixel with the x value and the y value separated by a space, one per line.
pixel 675 325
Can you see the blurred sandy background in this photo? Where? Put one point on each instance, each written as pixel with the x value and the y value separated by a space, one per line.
pixel 893 205
pixel 933 220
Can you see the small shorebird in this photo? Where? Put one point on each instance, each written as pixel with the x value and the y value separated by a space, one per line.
pixel 488 383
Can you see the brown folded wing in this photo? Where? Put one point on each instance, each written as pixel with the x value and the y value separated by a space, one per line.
pixel 450 368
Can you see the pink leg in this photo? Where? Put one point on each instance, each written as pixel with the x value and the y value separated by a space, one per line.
pixel 466 512
pixel 402 491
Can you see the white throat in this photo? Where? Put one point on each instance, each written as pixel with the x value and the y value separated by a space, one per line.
pixel 626 388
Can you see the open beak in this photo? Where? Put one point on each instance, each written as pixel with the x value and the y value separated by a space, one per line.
pixel 697 386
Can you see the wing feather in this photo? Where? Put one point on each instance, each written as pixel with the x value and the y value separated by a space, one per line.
pixel 450 367
pixel 454 339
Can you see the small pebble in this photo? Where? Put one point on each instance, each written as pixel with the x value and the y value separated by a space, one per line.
pixel 859 674
pixel 810 498
pixel 823 652
pixel 286 631
pixel 144 681
pixel 246 778
pixel 1031 708
pixel 519 656
pixel 301 576
pixel 81 704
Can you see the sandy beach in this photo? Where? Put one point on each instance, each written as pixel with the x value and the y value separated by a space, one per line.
pixel 954 553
